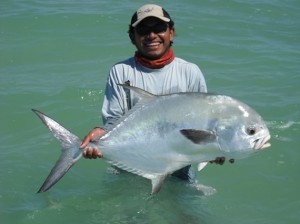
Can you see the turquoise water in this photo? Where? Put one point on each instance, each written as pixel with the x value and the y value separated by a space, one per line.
pixel 55 56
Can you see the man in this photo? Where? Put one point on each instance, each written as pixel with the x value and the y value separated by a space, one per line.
pixel 153 68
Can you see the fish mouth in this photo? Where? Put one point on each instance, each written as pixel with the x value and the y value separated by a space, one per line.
pixel 262 143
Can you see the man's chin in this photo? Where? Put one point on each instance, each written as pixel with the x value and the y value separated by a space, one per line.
pixel 154 55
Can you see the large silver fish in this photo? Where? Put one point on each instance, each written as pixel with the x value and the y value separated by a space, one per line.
pixel 162 134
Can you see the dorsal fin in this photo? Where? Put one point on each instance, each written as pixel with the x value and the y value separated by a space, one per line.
pixel 145 97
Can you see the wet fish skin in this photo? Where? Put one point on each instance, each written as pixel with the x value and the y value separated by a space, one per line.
pixel 162 134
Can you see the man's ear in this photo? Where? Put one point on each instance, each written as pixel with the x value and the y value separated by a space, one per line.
pixel 132 37
pixel 172 34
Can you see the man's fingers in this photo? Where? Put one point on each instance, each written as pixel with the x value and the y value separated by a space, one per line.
pixel 88 153
pixel 96 153
pixel 219 160
pixel 85 142
pixel 92 153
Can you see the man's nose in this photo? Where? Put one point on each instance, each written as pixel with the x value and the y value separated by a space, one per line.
pixel 151 35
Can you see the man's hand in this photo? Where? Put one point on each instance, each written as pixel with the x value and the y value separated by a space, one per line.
pixel 221 160
pixel 92 153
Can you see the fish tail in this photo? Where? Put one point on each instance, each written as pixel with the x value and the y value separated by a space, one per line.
pixel 70 151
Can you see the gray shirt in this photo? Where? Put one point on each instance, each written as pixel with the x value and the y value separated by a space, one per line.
pixel 178 76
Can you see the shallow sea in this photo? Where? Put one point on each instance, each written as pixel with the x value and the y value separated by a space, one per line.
pixel 55 56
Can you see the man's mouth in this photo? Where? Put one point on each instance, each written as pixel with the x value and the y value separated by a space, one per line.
pixel 155 44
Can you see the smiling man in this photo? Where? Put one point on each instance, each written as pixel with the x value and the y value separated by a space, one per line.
pixel 153 68
pixel 152 38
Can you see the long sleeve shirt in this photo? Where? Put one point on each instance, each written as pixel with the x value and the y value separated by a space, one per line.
pixel 178 76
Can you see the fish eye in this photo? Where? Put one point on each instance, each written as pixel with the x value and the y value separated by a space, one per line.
pixel 251 130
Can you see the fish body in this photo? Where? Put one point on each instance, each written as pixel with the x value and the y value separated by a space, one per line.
pixel 162 134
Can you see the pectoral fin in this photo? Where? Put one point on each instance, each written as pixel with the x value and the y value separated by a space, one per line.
pixel 198 136
pixel 157 183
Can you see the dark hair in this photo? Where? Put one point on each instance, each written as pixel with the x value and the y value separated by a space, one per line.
pixel 134 19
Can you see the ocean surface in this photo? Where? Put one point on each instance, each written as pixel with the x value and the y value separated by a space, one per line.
pixel 55 57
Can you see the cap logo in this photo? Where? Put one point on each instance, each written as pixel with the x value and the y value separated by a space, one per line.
pixel 148 10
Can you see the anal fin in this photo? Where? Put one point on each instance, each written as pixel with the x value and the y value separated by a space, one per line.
pixel 157 183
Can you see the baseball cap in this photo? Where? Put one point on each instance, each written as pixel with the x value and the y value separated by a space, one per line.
pixel 149 10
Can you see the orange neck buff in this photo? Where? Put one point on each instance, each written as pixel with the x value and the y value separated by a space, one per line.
pixel 167 58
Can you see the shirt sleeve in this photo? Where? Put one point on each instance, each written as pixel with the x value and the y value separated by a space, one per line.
pixel 114 103
pixel 197 81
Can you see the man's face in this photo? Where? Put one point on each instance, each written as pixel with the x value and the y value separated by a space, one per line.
pixel 152 37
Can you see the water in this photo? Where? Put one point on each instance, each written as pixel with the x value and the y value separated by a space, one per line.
pixel 55 56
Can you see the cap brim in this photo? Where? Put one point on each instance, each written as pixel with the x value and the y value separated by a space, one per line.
pixel 165 19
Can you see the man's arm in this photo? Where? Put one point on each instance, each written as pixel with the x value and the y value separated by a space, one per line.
pixel 114 102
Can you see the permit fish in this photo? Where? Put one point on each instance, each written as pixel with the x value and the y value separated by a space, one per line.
pixel 162 134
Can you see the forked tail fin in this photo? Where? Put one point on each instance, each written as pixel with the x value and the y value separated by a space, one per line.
pixel 70 151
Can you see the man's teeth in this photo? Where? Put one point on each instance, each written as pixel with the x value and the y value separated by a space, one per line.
pixel 152 44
